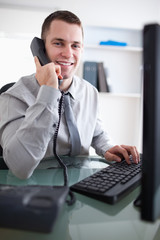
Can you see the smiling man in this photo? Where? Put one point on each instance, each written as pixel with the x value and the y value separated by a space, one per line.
pixel 29 110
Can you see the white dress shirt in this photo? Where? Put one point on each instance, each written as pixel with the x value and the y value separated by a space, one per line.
pixel 29 116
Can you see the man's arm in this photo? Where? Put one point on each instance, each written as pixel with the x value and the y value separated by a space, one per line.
pixel 34 127
pixel 101 141
pixel 26 131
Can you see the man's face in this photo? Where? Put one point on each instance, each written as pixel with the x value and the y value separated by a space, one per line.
pixel 64 44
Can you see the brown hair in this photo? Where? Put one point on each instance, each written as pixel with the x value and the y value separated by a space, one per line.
pixel 65 16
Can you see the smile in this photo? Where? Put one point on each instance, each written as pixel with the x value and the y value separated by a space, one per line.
pixel 65 63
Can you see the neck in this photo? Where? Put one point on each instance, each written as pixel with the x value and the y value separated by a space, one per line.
pixel 66 83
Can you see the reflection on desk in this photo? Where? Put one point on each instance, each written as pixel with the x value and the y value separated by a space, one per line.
pixel 49 171
pixel 88 218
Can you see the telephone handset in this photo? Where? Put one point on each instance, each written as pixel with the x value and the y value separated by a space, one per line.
pixel 38 49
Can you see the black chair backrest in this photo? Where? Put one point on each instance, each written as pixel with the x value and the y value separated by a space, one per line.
pixel 4 89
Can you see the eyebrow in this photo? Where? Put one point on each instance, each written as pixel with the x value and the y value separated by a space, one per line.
pixel 62 40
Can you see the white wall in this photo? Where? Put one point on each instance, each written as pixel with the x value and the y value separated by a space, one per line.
pixel 124 13
pixel 121 115
pixel 17 28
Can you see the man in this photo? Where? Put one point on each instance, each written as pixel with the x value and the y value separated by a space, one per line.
pixel 29 110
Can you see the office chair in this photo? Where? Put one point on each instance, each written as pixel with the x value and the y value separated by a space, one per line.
pixel 4 89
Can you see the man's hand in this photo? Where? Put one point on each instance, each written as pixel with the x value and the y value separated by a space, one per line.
pixel 47 74
pixel 118 152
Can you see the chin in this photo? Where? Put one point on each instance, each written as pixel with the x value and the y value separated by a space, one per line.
pixel 67 74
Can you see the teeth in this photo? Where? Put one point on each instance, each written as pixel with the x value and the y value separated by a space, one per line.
pixel 65 64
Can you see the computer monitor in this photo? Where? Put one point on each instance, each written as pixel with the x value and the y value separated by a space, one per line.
pixel 150 193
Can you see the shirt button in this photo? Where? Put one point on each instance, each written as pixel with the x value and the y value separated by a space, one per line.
pixel 54 125
pixel 57 99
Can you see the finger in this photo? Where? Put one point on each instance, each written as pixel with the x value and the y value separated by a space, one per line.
pixel 60 77
pixel 119 150
pixel 58 71
pixel 112 157
pixel 133 151
pixel 137 155
pixel 125 155
pixel 37 62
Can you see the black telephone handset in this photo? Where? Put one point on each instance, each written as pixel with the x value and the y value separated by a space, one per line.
pixel 38 49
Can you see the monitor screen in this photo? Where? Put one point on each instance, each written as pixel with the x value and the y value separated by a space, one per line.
pixel 150 193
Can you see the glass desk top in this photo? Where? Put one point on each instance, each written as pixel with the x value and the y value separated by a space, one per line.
pixel 87 219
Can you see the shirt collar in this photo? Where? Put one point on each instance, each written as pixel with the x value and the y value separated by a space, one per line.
pixel 72 88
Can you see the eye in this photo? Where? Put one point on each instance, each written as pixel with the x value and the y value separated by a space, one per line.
pixel 57 43
pixel 76 46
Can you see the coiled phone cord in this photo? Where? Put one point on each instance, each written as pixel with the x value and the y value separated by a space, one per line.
pixel 72 199
pixel 55 141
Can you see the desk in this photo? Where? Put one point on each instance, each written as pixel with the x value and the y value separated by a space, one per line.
pixel 87 219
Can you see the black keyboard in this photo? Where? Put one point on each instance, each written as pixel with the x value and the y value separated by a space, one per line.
pixel 111 183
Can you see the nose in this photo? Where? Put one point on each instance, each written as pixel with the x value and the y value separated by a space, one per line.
pixel 67 52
